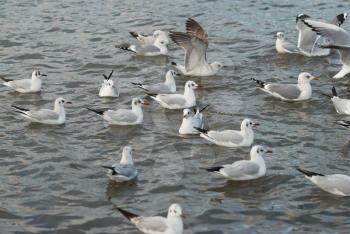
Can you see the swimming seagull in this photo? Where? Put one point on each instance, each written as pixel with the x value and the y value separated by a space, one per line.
pixel 339 39
pixel 108 89
pixel 168 86
pixel 125 170
pixel 172 224
pixel 231 138
pixel 195 43
pixel 176 100
pixel 283 46
pixel 245 169
pixel 45 116
pixel 150 39
pixel 342 106
pixel 290 92
pixel 158 47
pixel 308 39
pixel 337 184
pixel 191 120
pixel 26 85
pixel 124 116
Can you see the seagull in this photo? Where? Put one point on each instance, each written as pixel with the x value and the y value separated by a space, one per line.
pixel 244 169
pixel 45 116
pixel 150 39
pixel 308 39
pixel 178 101
pixel 191 120
pixel 337 184
pixel 338 39
pixel 290 92
pixel 107 89
pixel 169 86
pixel 172 224
pixel 195 43
pixel 158 47
pixel 124 116
pixel 284 47
pixel 342 106
pixel 231 138
pixel 125 170
pixel 32 85
pixel 344 123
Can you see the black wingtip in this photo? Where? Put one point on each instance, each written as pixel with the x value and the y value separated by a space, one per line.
pixel 110 74
pixel 19 108
pixel 112 169
pixel 127 214
pixel 213 169
pixel 260 83
pixel 4 79
pixel 309 173
pixel 99 112
pixel 344 123
pixel 334 92
pixel 152 94
pixel 173 63
pixel 204 108
pixel 134 34
pixel 201 130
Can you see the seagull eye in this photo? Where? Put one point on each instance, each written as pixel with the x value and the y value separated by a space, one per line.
pixel 246 125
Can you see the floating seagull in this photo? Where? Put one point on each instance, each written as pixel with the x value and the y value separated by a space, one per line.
pixel 125 170
pixel 56 116
pixel 146 40
pixel 342 106
pixel 245 169
pixel 172 224
pixel 195 43
pixel 158 47
pixel 108 89
pixel 283 46
pixel 231 138
pixel 308 39
pixel 26 85
pixel 124 116
pixel 169 86
pixel 191 120
pixel 290 92
pixel 178 101
pixel 339 39
pixel 337 184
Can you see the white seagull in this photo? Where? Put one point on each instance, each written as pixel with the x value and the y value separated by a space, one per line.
pixel 342 106
pixel 125 170
pixel 290 92
pixel 244 169
pixel 124 116
pixel 146 40
pixel 191 120
pixel 45 116
pixel 32 85
pixel 308 39
pixel 178 101
pixel 168 86
pixel 337 184
pixel 283 46
pixel 231 138
pixel 338 39
pixel 172 224
pixel 195 43
pixel 108 89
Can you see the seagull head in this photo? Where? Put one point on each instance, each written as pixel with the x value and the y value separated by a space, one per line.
pixel 306 77
pixel 248 124
pixel 258 151
pixel 279 36
pixel 37 74
pixel 138 102
pixel 216 66
pixel 187 113
pixel 60 102
pixel 175 210
pixel 161 37
pixel 127 155
pixel 191 85
pixel 109 83
pixel 170 75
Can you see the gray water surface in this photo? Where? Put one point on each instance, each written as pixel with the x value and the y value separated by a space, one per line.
pixel 51 177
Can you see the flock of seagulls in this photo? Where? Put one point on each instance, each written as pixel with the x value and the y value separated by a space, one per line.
pixel 315 39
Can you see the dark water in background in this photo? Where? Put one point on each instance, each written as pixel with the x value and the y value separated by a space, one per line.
pixel 51 180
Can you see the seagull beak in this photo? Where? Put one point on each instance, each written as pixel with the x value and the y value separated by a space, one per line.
pixel 255 124
pixel 43 75
pixel 69 103
pixel 145 103
pixel 199 86
pixel 183 215
pixel 315 78
pixel 274 36
pixel 177 74
pixel 268 151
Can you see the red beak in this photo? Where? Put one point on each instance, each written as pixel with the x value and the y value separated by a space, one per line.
pixel 269 151
pixel 144 102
